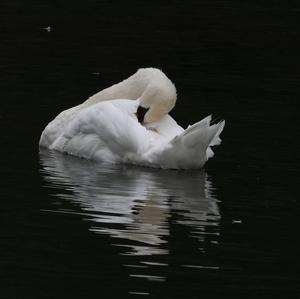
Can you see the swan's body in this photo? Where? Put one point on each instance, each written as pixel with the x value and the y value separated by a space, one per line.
pixel 105 127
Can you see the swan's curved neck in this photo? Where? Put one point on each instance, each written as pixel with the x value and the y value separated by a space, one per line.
pixel 151 86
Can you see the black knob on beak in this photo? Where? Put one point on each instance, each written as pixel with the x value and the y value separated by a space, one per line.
pixel 140 113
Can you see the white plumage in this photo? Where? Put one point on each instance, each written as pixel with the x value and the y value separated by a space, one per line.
pixel 105 127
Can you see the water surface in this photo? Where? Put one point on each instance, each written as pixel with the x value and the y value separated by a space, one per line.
pixel 74 229
pixel 141 210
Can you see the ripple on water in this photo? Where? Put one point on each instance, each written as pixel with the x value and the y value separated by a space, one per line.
pixel 148 213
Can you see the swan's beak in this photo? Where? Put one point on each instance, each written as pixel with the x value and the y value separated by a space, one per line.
pixel 140 113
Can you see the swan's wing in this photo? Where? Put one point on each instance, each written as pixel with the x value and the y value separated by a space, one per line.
pixel 200 134
pixel 204 123
pixel 106 131
pixel 191 148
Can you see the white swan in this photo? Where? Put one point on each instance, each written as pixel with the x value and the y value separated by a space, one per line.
pixel 129 123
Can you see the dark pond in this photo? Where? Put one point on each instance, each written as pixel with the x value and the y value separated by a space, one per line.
pixel 74 229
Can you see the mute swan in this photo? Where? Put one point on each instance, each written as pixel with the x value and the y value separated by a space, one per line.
pixel 129 123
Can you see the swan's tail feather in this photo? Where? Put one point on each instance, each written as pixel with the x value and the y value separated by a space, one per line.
pixel 201 133
pixel 217 140
pixel 191 148
pixel 204 123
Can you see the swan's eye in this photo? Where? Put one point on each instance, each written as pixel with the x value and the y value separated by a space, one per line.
pixel 140 113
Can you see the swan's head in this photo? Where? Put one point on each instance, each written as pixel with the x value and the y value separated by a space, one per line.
pixel 156 102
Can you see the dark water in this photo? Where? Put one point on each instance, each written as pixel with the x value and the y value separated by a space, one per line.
pixel 73 229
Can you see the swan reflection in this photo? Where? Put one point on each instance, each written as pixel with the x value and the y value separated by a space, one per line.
pixel 135 206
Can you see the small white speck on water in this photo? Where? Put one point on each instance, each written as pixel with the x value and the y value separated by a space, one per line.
pixel 139 293
pixel 237 222
pixel 48 28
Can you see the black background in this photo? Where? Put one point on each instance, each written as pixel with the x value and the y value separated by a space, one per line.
pixel 237 60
